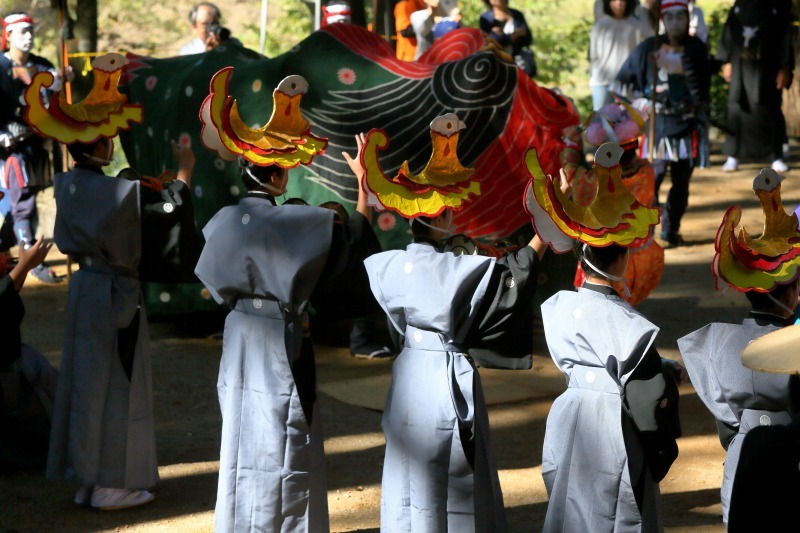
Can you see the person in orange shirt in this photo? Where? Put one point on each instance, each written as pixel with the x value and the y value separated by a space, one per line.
pixel 406 39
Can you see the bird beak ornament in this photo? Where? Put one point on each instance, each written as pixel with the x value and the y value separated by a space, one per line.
pixel 285 140
pixel 101 114
pixel 760 264
pixel 614 216
pixel 443 183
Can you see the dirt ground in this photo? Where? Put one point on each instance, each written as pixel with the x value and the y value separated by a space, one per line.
pixel 185 364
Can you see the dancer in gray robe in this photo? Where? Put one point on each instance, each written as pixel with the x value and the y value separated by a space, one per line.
pixel 739 398
pixel 439 472
pixel 610 437
pixel 265 262
pixel 103 433
pixel 453 313
pixel 765 269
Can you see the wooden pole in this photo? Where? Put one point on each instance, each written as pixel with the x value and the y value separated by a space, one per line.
pixel 64 60
pixel 652 134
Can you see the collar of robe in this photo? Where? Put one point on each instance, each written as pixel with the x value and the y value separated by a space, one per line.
pixel 762 318
pixel 262 195
pixel 606 290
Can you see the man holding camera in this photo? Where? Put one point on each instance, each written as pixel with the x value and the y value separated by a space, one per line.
pixel 208 32
pixel 25 166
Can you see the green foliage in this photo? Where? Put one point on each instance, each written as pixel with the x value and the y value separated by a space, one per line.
pixel 290 28
pixel 715 20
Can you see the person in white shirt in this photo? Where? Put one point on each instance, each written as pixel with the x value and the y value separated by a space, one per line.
pixel 621 27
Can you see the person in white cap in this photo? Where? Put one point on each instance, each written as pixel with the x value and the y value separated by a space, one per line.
pixel 738 397
pixel 25 167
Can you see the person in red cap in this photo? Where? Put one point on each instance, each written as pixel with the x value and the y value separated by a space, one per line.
pixel 24 156
pixel 680 79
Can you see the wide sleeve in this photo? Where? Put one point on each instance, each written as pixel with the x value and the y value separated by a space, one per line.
pixel 171 244
pixel 343 291
pixel 520 24
pixel 697 67
pixel 501 334
pixel 633 73
pixel 12 312
pixel 726 44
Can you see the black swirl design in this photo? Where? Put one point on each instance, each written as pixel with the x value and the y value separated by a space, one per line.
pixel 479 89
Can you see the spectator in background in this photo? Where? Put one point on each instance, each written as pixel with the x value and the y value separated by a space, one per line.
pixel 25 166
pixel 430 23
pixel 406 38
pixel 697 22
pixel 508 27
pixel 614 36
pixel 756 47
pixel 205 19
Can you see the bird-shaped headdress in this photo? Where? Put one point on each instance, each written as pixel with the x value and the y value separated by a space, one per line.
pixel 760 264
pixel 443 183
pixel 103 113
pixel 614 216
pixel 285 140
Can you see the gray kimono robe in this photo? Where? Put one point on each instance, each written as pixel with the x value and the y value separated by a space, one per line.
pixel 103 432
pixel 265 262
pixel 616 417
pixel 439 472
pixel 739 398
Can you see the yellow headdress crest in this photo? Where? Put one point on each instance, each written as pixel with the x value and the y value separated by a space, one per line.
pixel 101 114
pixel 443 183
pixel 614 216
pixel 285 140
pixel 760 264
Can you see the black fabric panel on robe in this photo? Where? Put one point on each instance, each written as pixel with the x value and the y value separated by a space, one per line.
pixel 10 320
pixel 766 487
pixel 503 337
pixel 342 291
pixel 171 244
pixel 660 448
pixel 304 371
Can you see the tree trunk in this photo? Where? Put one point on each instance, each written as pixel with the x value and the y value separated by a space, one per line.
pixel 86 26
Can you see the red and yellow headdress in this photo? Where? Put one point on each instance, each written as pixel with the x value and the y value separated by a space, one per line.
pixel 760 264
pixel 614 216
pixel 103 113
pixel 443 183
pixel 285 140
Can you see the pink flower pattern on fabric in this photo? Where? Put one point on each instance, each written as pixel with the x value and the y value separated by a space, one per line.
pixel 347 76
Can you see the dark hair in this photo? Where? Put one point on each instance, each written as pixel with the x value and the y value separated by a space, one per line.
pixel 630 7
pixel 193 12
pixel 489 3
pixel 80 152
pixel 602 258
pixel 760 301
pixel 421 230
pixel 261 173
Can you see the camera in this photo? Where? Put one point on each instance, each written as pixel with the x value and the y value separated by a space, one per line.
pixel 220 32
